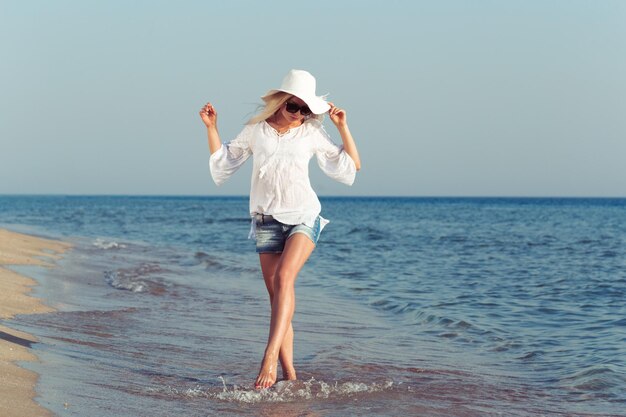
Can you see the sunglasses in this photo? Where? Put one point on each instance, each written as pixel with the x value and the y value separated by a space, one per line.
pixel 293 108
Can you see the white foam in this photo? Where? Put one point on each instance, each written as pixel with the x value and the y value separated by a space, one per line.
pixel 125 283
pixel 103 244
pixel 283 391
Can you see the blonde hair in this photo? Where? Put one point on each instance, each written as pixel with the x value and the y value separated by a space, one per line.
pixel 272 104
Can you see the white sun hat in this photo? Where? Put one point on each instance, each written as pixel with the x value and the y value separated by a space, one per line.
pixel 301 84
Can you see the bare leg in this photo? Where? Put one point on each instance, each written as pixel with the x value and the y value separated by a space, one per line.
pixel 297 250
pixel 269 262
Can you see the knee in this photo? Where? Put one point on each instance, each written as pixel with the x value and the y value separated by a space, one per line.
pixel 283 280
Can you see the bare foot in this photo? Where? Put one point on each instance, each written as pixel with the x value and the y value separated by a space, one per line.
pixel 267 374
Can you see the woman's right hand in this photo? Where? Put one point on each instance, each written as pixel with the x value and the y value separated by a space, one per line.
pixel 209 115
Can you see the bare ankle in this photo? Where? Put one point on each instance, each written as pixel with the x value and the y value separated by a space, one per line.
pixel 289 374
pixel 270 355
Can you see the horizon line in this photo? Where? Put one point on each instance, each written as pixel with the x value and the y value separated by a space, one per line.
pixel 320 196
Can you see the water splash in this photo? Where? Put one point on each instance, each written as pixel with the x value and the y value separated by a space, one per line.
pixel 106 245
pixel 282 391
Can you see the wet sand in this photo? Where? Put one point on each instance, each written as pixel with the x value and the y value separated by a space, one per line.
pixel 17 385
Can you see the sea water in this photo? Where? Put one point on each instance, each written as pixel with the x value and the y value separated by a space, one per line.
pixel 408 306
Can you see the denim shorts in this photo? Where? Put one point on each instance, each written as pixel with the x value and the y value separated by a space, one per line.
pixel 271 235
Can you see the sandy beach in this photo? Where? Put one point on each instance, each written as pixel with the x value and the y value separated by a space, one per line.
pixel 17 385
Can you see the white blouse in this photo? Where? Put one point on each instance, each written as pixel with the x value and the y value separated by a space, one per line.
pixel 280 172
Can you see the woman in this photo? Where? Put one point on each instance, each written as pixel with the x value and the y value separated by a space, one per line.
pixel 285 210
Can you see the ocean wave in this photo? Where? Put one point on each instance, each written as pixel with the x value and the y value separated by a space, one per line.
pixel 282 391
pixel 103 244
pixel 604 380
pixel 416 314
pixel 121 282
pixel 368 233
pixel 135 279
pixel 212 262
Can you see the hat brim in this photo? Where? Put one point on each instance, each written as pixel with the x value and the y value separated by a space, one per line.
pixel 317 104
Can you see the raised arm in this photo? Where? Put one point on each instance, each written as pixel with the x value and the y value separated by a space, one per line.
pixel 340 120
pixel 209 118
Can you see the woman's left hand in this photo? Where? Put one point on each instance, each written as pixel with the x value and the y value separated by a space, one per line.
pixel 337 116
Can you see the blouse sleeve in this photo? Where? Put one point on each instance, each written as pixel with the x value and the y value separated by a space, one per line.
pixel 334 160
pixel 229 157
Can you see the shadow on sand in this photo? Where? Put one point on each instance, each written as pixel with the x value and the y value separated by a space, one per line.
pixel 17 340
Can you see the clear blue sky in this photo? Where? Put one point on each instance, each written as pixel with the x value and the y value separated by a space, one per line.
pixel 462 98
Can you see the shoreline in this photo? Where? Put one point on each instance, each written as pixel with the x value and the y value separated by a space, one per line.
pixel 17 385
